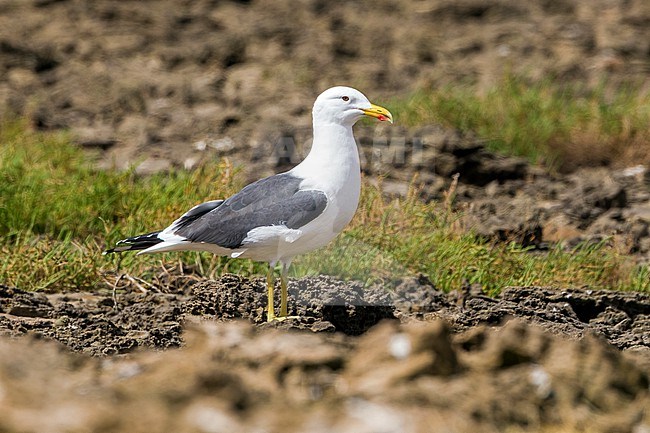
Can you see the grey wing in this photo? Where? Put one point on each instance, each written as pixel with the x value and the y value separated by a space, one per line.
pixel 275 200
pixel 195 213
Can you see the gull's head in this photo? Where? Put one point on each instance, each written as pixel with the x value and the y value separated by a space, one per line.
pixel 345 105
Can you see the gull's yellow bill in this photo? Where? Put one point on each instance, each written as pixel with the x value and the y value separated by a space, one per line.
pixel 379 113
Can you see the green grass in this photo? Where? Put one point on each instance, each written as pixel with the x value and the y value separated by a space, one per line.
pixel 397 237
pixel 57 214
pixel 560 125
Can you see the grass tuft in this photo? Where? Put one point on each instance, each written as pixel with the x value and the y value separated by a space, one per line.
pixel 559 125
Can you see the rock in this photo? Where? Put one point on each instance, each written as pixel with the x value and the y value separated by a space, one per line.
pixel 28 311
pixel 506 219
pixel 476 165
pixel 24 304
pixel 625 224
pixel 595 192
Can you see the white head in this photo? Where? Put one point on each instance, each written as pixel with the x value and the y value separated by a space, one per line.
pixel 344 106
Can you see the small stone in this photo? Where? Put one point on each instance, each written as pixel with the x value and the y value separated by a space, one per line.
pixel 28 311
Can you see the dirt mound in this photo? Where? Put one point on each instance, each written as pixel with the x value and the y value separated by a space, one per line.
pixel 396 378
pixel 323 304
pixel 394 365
pixel 95 324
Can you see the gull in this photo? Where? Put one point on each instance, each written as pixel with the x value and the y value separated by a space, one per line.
pixel 284 215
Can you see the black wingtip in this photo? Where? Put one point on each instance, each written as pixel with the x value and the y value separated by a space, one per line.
pixel 118 249
pixel 135 243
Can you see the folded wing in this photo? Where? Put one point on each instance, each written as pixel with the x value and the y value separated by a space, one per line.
pixel 275 200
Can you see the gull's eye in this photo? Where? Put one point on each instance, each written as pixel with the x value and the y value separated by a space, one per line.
pixel 345 98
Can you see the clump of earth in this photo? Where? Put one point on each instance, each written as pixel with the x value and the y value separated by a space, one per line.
pixel 404 358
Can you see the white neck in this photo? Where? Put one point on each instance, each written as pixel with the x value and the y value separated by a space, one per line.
pixel 334 155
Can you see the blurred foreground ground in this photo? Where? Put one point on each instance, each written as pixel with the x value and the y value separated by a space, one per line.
pixel 533 359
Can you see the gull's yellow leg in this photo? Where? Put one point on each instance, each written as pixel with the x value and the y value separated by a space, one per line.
pixel 270 312
pixel 283 293
pixel 270 315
